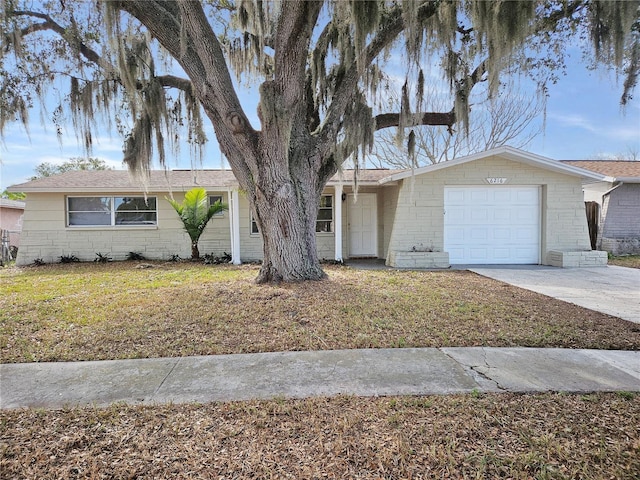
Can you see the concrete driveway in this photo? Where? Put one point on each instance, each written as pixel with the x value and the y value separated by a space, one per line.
pixel 611 290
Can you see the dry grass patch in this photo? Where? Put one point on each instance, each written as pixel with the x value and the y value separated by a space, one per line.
pixel 91 312
pixel 630 261
pixel 549 436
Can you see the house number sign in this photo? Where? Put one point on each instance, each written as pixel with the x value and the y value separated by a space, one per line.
pixel 496 181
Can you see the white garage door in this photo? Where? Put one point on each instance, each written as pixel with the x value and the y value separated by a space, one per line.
pixel 492 225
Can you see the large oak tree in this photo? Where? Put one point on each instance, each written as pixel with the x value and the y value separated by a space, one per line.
pixel 148 67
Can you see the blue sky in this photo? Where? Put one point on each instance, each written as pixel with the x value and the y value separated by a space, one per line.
pixel 583 120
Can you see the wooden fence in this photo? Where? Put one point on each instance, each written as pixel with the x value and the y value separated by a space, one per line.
pixel 593 215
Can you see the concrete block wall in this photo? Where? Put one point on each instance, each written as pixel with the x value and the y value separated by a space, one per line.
pixel 420 206
pixel 45 234
pixel 418 259
pixel 592 258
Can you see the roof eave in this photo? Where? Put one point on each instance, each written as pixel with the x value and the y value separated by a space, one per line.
pixel 150 189
pixel 509 153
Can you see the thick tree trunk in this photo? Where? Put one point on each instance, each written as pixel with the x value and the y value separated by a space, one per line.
pixel 195 253
pixel 286 209
pixel 288 233
pixel 279 167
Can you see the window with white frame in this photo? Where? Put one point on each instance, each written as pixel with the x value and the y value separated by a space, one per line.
pixel 111 211
pixel 213 199
pixel 324 222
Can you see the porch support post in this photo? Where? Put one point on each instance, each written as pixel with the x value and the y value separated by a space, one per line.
pixel 337 221
pixel 234 225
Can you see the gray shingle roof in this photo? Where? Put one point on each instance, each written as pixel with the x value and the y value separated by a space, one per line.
pixel 160 180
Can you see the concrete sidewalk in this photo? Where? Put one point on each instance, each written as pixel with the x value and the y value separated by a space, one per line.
pixel 369 372
pixel 612 290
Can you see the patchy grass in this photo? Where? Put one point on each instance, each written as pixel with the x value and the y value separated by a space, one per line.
pixel 82 311
pixel 100 311
pixel 547 436
pixel 631 261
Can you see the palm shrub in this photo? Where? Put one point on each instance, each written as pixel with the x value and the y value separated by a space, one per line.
pixel 195 213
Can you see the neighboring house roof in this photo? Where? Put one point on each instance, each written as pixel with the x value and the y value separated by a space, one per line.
pixel 16 204
pixel 509 153
pixel 160 180
pixel 620 170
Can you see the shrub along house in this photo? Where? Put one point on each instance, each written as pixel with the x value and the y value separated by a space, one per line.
pixel 503 206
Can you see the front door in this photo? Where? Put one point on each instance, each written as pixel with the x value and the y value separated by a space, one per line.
pixel 363 225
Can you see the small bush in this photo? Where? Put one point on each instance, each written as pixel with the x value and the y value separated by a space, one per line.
pixel 211 259
pixel 102 257
pixel 175 258
pixel 135 256
pixel 69 259
pixel 38 262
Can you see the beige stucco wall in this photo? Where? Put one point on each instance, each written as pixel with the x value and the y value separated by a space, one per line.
pixel 46 236
pixel 420 205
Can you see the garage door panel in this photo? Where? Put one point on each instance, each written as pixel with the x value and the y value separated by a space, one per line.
pixel 501 215
pixel 478 234
pixel 527 196
pixel 456 214
pixel 476 253
pixel 501 253
pixel 454 197
pixel 502 234
pixel 502 195
pixel 479 215
pixel 525 234
pixel 479 196
pixel 485 225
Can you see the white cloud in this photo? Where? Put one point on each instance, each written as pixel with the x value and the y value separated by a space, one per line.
pixel 573 121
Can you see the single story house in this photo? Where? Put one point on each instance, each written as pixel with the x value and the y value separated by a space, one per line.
pixel 618 199
pixel 503 206
pixel 11 213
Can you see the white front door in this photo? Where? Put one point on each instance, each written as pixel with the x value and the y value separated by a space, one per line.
pixel 492 225
pixel 363 225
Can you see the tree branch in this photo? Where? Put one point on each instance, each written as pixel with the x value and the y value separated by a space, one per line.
pixel 87 52
pixel 52 25
pixel 391 27
pixel 387 120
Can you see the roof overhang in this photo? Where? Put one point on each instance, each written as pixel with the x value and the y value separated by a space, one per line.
pixel 508 153
pixel 14 204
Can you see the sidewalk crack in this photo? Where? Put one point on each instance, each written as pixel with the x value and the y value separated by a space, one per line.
pixel 488 367
pixel 165 378
pixel 478 375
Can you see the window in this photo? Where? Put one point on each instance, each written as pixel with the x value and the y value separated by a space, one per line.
pixel 213 199
pixel 109 211
pixel 324 222
pixel 254 226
